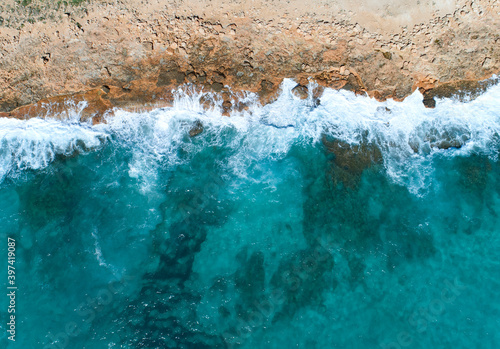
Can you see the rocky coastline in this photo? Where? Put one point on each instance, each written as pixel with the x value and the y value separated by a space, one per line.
pixel 133 54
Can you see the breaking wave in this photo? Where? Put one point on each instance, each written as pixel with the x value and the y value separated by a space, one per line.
pixel 409 136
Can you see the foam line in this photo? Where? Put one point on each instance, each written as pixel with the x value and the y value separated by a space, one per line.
pixel 409 135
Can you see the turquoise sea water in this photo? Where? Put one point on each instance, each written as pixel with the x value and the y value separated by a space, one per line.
pixel 348 224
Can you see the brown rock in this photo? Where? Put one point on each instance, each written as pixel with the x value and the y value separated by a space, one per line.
pixel 196 129
pixel 463 90
pixel 300 91
pixel 333 55
pixel 170 76
pixel 217 86
pixel 137 51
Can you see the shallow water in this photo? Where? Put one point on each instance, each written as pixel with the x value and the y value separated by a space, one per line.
pixel 351 224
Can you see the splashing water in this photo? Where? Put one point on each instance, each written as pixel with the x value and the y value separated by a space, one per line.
pixel 338 222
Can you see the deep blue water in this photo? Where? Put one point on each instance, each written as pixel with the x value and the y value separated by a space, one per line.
pixel 351 224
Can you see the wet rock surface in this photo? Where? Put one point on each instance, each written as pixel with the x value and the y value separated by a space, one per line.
pixel 196 129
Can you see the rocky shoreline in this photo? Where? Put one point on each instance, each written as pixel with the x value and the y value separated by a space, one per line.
pixel 132 54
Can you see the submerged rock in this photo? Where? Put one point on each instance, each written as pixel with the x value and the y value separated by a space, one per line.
pixel 196 129
pixel 447 139
pixel 351 160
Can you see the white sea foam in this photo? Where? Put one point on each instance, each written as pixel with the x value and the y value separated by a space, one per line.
pixel 98 254
pixel 34 143
pixel 98 251
pixel 409 135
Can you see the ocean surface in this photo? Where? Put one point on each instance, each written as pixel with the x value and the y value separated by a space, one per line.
pixel 338 222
